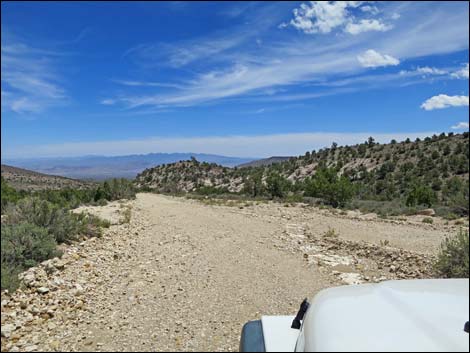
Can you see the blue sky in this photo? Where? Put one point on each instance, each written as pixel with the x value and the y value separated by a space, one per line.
pixel 249 79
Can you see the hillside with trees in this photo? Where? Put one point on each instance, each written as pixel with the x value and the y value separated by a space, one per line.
pixel 24 179
pixel 392 178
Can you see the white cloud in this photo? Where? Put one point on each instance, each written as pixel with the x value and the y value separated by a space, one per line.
pixel 325 16
pixel 442 101
pixel 462 73
pixel 430 71
pixel 372 58
pixel 241 146
pixel 460 126
pixel 371 9
pixel 424 71
pixel 366 25
pixel 321 16
pixel 395 16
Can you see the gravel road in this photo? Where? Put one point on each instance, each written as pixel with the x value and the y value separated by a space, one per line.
pixel 191 277
pixel 183 275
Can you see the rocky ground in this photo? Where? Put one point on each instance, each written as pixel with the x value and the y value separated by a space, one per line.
pixel 183 275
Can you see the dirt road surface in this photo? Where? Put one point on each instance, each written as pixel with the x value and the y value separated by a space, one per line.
pixel 183 275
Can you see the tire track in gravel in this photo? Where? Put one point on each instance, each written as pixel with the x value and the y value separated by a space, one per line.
pixel 191 279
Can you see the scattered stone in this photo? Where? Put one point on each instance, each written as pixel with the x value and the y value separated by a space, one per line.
pixel 43 290
pixel 28 279
pixel 7 330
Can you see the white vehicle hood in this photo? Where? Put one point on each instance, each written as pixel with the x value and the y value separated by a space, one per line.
pixel 415 315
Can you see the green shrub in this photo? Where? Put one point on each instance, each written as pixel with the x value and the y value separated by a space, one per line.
pixel 336 191
pixel 277 185
pixel 421 195
pixel 59 222
pixel 66 198
pixel 450 216
pixel 62 224
pixel 9 277
pixel 26 244
pixel 23 245
pixel 293 198
pixel 453 258
pixel 115 189
pixel 8 195
pixel 101 202
pixel 211 190
pixel 428 220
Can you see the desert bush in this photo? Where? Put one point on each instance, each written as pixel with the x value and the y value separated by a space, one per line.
pixel 23 245
pixel 126 213
pixel 211 190
pixel 330 233
pixel 428 220
pixel 293 198
pixel 115 189
pixel 8 195
pixel 66 198
pixel 450 216
pixel 453 258
pixel 59 222
pixel 62 224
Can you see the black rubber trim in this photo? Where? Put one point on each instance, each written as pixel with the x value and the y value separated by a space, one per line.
pixel 252 339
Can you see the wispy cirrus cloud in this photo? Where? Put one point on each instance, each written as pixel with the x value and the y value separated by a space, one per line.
pixel 148 84
pixel 180 54
pixel 30 83
pixel 219 46
pixel 240 70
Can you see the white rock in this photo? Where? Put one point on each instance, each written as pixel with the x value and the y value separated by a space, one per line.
pixel 43 290
pixel 6 330
pixel 28 279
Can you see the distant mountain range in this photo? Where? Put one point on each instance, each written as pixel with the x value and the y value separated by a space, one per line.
pixel 103 167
